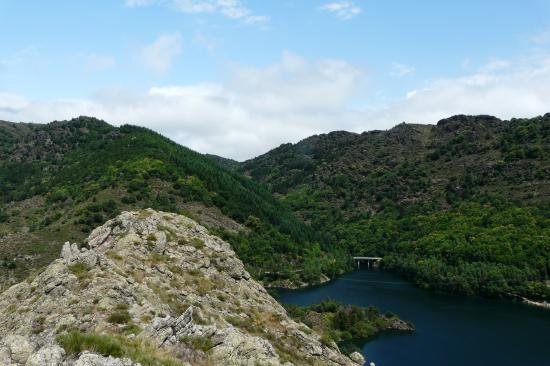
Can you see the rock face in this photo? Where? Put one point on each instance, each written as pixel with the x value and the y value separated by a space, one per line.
pixel 161 282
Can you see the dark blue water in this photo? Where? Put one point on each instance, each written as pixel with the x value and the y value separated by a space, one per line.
pixel 450 330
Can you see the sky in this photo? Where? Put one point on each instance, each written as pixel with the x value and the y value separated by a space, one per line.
pixel 239 77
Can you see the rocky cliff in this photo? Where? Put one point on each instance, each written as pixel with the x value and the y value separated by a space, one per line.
pixel 152 288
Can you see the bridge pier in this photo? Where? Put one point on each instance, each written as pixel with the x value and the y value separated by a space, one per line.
pixel 374 260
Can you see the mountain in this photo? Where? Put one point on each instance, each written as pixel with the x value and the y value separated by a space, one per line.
pixel 60 180
pixel 152 288
pixel 461 206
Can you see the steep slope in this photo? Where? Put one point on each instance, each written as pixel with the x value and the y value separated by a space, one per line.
pixel 58 181
pixel 461 206
pixel 153 288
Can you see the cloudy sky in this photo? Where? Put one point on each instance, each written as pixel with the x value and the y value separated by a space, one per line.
pixel 238 77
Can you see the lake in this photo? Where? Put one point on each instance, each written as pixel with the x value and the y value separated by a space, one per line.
pixel 450 330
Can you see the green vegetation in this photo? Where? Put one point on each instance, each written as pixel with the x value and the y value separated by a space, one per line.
pixel 63 179
pixel 201 343
pixel 75 342
pixel 463 206
pixel 119 317
pixel 347 325
pixel 80 270
pixel 137 350
pixel 490 249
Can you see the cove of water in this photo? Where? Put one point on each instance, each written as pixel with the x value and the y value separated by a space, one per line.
pixel 450 330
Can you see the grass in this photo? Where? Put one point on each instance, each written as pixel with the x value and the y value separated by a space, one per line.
pixel 38 326
pixel 197 243
pixel 170 234
pixel 204 286
pixel 137 350
pixel 171 299
pixel 75 342
pixel 80 270
pixel 114 255
pixel 12 308
pixel 158 258
pixel 201 343
pixel 131 329
pixel 119 317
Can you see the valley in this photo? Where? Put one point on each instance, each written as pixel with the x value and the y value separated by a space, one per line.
pixel 461 207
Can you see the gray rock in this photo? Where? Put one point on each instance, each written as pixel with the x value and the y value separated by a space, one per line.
pixel 91 359
pixel 19 348
pixel 47 356
pixel 5 355
pixel 357 358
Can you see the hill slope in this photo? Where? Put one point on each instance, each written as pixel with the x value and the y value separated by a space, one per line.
pixel 153 288
pixel 60 180
pixel 461 206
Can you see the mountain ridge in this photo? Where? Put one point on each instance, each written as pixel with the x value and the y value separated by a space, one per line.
pixel 428 198
pixel 61 179
pixel 392 193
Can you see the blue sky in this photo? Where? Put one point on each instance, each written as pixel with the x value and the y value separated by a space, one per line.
pixel 237 77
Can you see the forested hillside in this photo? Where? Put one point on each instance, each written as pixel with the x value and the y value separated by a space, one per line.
pixel 60 180
pixel 462 206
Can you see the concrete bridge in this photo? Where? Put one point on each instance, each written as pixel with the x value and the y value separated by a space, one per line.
pixel 370 260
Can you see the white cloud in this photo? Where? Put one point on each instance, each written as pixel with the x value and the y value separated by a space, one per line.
pixel 400 70
pixel 95 62
pixel 19 57
pixel 506 90
pixel 205 41
pixel 541 38
pixel 134 3
pixel 233 9
pixel 342 9
pixel 12 103
pixel 496 65
pixel 159 55
pixel 260 108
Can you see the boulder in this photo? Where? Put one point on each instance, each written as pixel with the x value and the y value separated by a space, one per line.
pixel 47 356
pixel 19 348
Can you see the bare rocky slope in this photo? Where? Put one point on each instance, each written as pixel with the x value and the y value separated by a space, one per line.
pixel 152 288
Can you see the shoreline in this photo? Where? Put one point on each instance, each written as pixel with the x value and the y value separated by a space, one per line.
pixel 540 304
pixel 293 286
pixel 325 279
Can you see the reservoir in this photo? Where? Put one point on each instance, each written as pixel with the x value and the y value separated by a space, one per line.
pixel 450 330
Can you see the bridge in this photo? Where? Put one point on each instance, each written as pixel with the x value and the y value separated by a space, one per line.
pixel 369 260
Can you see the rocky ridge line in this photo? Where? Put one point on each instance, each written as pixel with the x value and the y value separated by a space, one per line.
pixel 160 282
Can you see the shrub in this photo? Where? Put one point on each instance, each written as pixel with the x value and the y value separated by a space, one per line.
pixel 119 317
pixel 3 216
pixel 122 306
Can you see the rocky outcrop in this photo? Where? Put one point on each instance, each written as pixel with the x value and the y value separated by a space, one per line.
pixel 394 323
pixel 541 304
pixel 157 283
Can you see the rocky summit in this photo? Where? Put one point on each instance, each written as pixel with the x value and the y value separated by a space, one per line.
pixel 152 288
